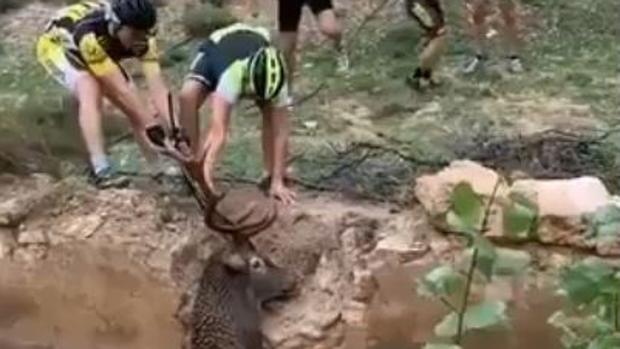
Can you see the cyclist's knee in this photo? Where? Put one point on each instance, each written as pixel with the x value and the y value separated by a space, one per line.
pixel 438 32
pixel 287 41
pixel 190 93
pixel 329 24
pixel 87 89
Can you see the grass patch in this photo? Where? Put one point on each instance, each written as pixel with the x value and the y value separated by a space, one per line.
pixel 569 57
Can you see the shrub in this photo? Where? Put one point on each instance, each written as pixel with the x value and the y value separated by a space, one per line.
pixel 6 5
pixel 201 20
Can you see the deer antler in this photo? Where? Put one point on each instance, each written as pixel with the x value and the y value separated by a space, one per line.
pixel 209 200
pixel 217 221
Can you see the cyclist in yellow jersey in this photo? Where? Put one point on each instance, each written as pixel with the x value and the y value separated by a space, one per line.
pixel 239 61
pixel 82 48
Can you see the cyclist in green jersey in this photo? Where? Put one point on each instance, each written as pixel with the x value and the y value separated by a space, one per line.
pixel 236 62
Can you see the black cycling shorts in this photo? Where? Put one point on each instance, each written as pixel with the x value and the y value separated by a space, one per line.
pixel 289 12
pixel 428 13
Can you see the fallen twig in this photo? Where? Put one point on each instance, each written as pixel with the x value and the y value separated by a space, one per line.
pixel 301 100
pixel 402 155
pixel 365 21
pixel 353 164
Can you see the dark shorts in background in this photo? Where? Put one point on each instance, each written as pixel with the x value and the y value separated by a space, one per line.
pixel 428 13
pixel 289 12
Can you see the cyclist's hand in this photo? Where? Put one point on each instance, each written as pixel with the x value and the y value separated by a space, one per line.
pixel 178 150
pixel 281 192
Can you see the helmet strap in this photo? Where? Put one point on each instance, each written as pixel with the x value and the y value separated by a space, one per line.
pixel 114 23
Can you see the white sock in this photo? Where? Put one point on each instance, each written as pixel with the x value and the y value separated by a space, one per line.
pixel 99 163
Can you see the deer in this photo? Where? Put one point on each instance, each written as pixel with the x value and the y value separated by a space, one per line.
pixel 222 309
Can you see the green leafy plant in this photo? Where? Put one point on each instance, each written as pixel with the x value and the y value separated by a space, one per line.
pixel 6 5
pixel 591 320
pixel 201 20
pixel 453 286
pixel 604 224
pixel 520 217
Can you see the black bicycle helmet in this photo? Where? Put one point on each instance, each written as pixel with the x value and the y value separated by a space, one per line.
pixel 138 14
pixel 267 72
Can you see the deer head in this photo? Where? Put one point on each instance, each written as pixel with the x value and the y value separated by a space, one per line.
pixel 267 280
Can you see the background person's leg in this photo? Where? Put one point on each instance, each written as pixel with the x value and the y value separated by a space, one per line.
pixel 477 12
pixel 511 33
pixel 330 26
pixel 429 15
pixel 289 17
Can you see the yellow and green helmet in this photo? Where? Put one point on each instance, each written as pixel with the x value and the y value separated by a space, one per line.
pixel 267 72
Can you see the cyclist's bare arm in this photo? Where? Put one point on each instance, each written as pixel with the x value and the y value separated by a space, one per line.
pixel 127 98
pixel 216 135
pixel 157 87
pixel 191 98
pixel 116 87
pixel 280 132
pixel 158 90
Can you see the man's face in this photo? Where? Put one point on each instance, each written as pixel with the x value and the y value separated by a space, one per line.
pixel 135 40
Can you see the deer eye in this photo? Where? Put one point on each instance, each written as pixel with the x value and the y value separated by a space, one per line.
pixel 257 263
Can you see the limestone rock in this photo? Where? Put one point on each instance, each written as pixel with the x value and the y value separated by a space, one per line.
pixel 7 243
pixel 30 254
pixel 85 227
pixel 562 205
pixel 434 191
pixel 364 286
pixel 354 314
pixel 15 210
pixel 34 236
pixel 564 197
pixel 400 242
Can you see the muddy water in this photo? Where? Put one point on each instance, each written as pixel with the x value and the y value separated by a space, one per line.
pixel 82 298
pixel 399 319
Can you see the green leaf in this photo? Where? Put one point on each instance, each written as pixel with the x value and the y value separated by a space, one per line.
pixel 611 341
pixel 585 281
pixel 575 331
pixel 441 346
pixel 459 225
pixel 467 206
pixel 604 224
pixel 486 255
pixel 520 217
pixel 442 281
pixel 511 262
pixel 480 316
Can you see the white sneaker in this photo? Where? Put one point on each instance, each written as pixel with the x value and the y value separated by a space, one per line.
pixel 290 103
pixel 473 66
pixel 515 65
pixel 343 62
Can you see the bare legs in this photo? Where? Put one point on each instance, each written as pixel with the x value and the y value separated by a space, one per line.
pixel 478 13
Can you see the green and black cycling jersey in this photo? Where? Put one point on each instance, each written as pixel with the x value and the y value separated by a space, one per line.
pixel 222 63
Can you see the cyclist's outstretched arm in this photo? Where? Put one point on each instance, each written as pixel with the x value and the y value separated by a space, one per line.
pixel 158 90
pixel 216 135
pixel 127 98
pixel 117 88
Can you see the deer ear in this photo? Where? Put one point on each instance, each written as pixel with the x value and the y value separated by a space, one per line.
pixel 235 263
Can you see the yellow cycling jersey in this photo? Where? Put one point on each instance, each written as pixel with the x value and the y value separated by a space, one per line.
pixel 84 32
